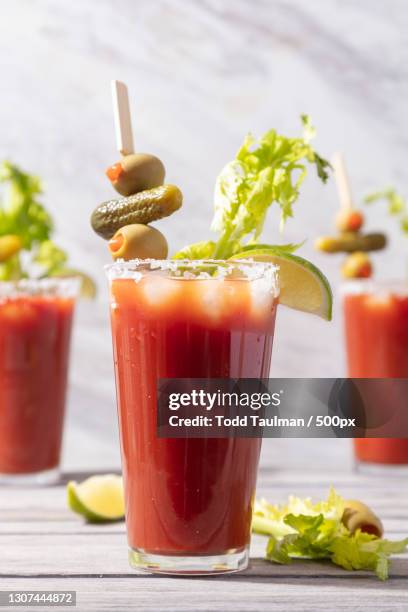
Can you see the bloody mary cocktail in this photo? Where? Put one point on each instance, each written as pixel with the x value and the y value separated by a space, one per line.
pixel 376 325
pixel 35 329
pixel 188 501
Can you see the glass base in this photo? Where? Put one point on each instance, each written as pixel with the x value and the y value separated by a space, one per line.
pixel 197 565
pixel 381 469
pixel 46 477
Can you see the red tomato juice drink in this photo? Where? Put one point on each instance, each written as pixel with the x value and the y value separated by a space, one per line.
pixel 376 326
pixel 35 330
pixel 188 501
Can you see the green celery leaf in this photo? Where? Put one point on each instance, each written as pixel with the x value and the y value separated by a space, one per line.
pixel 305 530
pixel 310 540
pixel 331 508
pixel 278 551
pixel 199 250
pixel 265 171
pixel 363 551
pixel 50 257
pixel 404 224
pixel 11 270
pixel 309 131
pixel 276 248
pixel 397 205
pixel 21 213
pixel 306 544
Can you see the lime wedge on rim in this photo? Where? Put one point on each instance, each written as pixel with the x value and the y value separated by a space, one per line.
pixel 98 498
pixel 302 286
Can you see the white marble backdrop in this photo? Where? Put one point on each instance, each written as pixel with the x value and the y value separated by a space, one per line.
pixel 201 74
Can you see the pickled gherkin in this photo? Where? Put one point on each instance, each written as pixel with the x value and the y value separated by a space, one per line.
pixel 349 242
pixel 143 207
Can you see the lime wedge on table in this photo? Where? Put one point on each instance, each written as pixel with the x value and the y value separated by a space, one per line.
pixel 98 498
pixel 302 286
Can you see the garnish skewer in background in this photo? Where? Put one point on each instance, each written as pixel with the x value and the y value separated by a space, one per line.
pixel 349 222
pixel 139 177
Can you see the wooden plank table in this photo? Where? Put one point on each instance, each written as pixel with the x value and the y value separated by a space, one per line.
pixel 45 546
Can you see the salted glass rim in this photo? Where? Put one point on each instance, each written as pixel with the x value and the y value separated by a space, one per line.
pixel 136 268
pixel 371 286
pixel 67 286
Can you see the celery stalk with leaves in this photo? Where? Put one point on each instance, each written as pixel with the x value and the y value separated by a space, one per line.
pixel 267 171
pixel 26 246
pixel 397 205
pixel 303 530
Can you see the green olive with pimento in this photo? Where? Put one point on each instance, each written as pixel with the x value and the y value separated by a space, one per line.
pixel 136 172
pixel 138 241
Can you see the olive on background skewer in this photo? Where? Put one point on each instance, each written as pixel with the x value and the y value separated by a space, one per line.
pixel 138 241
pixel 143 207
pixel 350 220
pixel 357 265
pixel 136 172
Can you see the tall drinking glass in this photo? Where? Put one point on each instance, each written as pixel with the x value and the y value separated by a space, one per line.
pixel 376 326
pixel 35 330
pixel 188 501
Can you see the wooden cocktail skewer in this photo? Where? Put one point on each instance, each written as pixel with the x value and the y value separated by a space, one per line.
pixel 124 133
pixel 135 171
pixel 342 181
pixel 348 218
pixel 123 121
pixel 139 177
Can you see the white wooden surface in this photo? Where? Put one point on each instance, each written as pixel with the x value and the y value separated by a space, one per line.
pixel 45 546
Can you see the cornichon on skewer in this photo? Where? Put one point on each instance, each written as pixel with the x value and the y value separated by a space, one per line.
pixel 350 242
pixel 136 172
pixel 143 207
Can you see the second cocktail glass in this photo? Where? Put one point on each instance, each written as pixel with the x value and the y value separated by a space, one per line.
pixel 188 501
pixel 35 330
pixel 376 326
